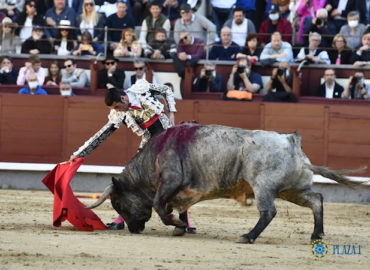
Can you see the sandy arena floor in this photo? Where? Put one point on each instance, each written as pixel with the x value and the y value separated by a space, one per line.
pixel 29 241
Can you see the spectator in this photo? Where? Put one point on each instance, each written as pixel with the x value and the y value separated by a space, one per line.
pixel 75 76
pixel 87 46
pixel 111 74
pixel 362 55
pixel 9 42
pixel 27 18
pixel 31 66
pixel 225 49
pixel 152 22
pixel 243 78
pixel 161 47
pixel 208 80
pixel 8 75
pixel 251 49
pixel 312 54
pixel 338 11
pixel 330 88
pixel 307 8
pixel 64 42
pixel 65 89
pixel 221 11
pixel 240 26
pixel 55 14
pixel 353 30
pixel 140 73
pixel 199 26
pixel 277 50
pixel 249 8
pixel 190 49
pixel 139 10
pixel 284 9
pixel 279 87
pixel 171 8
pixel 118 21
pixel 33 87
pixel 54 74
pixel 356 87
pixel 90 21
pixel 321 25
pixel 129 45
pixel 11 8
pixel 37 43
pixel 341 54
pixel 275 23
pixel 76 5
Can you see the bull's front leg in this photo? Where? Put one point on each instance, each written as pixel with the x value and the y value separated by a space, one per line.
pixel 165 191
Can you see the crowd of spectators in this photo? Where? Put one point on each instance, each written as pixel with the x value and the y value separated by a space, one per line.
pixel 295 31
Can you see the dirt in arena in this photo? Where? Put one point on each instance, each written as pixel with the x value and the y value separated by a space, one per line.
pixel 29 241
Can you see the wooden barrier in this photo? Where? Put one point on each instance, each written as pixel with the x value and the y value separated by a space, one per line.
pixel 47 129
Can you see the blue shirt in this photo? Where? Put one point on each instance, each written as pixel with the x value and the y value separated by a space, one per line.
pixel 67 14
pixel 286 49
pixel 26 91
pixel 254 78
pixel 218 51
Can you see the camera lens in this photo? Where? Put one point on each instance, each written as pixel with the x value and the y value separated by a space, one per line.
pixel 318 21
pixel 241 69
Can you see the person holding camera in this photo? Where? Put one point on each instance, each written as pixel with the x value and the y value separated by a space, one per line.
pixel 279 87
pixel 243 78
pixel 321 25
pixel 313 54
pixel 208 80
pixel 356 87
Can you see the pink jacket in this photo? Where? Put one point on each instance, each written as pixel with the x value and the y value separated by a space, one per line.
pixel 305 10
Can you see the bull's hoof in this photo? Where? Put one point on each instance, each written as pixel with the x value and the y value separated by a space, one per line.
pixel 316 236
pixel 179 231
pixel 244 239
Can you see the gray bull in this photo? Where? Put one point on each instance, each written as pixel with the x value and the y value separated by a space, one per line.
pixel 190 163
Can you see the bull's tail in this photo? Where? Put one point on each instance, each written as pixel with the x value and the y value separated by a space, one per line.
pixel 338 175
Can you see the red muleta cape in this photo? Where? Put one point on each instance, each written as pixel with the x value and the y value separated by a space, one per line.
pixel 66 205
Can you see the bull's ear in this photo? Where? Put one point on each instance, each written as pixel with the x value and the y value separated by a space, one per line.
pixel 117 185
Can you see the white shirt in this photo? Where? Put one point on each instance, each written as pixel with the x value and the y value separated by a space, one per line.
pixel 239 32
pixel 222 3
pixel 87 27
pixel 329 91
pixel 26 31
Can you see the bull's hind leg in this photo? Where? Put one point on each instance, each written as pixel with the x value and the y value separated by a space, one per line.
pixel 308 198
pixel 266 207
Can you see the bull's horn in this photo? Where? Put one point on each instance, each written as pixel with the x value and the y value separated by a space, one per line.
pixel 107 191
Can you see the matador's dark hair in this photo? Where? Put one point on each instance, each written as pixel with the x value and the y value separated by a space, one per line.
pixel 113 95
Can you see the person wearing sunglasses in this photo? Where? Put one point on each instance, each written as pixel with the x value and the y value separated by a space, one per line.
pixel 26 19
pixel 64 42
pixel 198 25
pixel 110 74
pixel 77 77
pixel 91 21
pixel 140 73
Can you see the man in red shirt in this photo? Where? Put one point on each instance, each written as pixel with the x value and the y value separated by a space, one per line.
pixel 275 23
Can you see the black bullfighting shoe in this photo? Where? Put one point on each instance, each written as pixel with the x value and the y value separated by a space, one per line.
pixel 116 226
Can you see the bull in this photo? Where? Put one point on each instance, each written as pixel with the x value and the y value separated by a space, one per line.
pixel 190 163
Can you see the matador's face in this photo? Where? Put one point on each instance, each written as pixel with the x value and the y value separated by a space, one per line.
pixel 121 106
